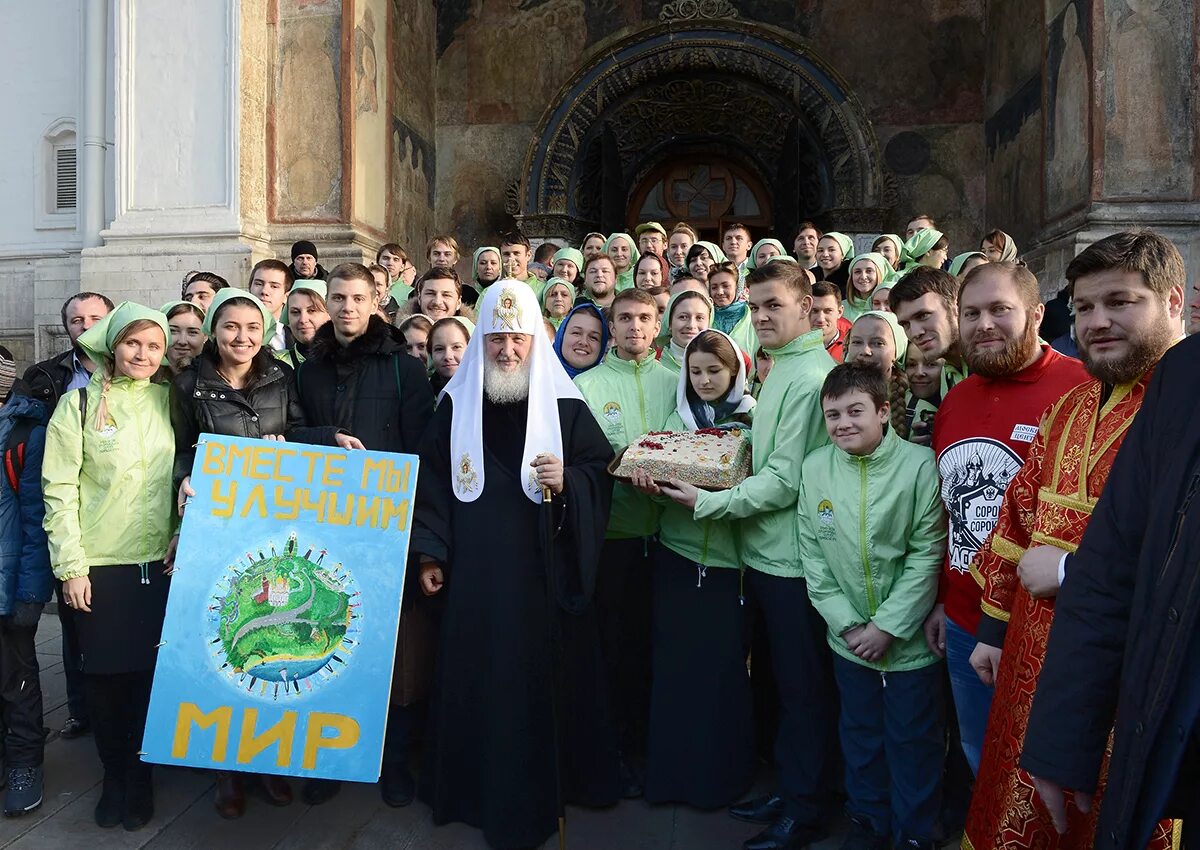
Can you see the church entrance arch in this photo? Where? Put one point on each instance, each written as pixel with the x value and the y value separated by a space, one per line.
pixel 747 99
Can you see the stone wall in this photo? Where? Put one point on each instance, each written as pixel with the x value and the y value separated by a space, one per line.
pixel 501 68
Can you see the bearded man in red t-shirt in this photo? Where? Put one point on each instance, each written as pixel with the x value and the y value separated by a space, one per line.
pixel 982 434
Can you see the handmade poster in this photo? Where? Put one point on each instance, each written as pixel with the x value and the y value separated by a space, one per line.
pixel 280 632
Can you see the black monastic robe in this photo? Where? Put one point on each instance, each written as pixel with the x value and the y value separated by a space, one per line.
pixel 518 651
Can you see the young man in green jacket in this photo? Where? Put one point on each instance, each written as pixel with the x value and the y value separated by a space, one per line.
pixel 630 393
pixel 787 427
pixel 873 536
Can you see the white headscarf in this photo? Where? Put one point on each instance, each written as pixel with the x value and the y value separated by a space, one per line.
pixel 507 306
pixel 737 390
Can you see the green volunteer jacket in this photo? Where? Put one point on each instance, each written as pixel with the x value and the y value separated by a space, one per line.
pixel 788 424
pixel 710 542
pixel 109 495
pixel 873 538
pixel 629 399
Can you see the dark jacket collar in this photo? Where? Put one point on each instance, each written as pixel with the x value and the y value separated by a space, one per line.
pixel 381 339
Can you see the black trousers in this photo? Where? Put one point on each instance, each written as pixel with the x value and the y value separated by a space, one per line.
pixel 72 662
pixel 806 744
pixel 623 609
pixel 20 697
pixel 118 703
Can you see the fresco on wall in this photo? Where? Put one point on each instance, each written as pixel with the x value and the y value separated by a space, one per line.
pixel 412 63
pixel 1148 133
pixel 1013 136
pixel 411 188
pixel 509 59
pixel 308 152
pixel 370 132
pixel 1068 96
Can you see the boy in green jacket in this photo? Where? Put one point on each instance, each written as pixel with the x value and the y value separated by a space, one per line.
pixel 873 537
pixel 630 393
pixel 787 426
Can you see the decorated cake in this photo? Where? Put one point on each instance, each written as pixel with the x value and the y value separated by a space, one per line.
pixel 711 458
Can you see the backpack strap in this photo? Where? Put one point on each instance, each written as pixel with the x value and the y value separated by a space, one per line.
pixel 83 407
pixel 14 453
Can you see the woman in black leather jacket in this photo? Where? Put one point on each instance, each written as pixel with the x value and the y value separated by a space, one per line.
pixel 236 388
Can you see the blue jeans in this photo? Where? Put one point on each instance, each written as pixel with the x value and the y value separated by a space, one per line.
pixel 972 698
pixel 893 743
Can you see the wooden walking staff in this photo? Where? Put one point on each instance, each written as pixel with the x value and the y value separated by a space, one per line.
pixel 548 532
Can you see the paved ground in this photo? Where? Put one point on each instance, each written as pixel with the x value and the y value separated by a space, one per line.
pixel 185 819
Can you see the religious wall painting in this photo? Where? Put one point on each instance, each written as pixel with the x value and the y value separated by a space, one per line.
pixel 476 165
pixel 370 134
pixel 509 58
pixel 1013 140
pixel 308 125
pixel 1015 50
pixel 412 173
pixel 1067 109
pixel 1149 128
pixel 412 64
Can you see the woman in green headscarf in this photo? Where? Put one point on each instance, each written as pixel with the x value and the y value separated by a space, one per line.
pixel 999 247
pixel 763 251
pixel 110 516
pixel 568 265
pixel 731 314
pixel 305 312
pixel 688 313
pixel 592 246
pixel 834 253
pixel 701 257
pixel 876 339
pixel 927 247
pixel 623 251
pixel 557 299
pixel 185 321
pixel 963 263
pixel 892 247
pixel 867 271
pixel 486 267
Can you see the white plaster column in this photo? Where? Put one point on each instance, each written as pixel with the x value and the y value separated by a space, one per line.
pixel 177 123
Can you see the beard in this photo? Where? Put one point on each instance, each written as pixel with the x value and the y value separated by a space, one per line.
pixel 500 387
pixel 1009 360
pixel 1147 345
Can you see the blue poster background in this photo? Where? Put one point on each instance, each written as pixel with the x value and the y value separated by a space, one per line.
pixel 280 629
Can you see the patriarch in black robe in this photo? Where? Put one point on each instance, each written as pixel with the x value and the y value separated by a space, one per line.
pixel 518 719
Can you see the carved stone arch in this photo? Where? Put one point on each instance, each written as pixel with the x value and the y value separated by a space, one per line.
pixel 747 86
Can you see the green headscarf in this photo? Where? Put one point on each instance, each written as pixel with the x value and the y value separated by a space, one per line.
pixel 634 253
pixel 98 341
pixel 751 263
pixel 475 262
pixel 572 254
pixel 898 242
pixel 317 287
pixel 882 269
pixel 898 333
pixel 171 305
pixel 229 293
pixel 920 244
pixel 846 243
pixel 956 265
pixel 888 284
pixel 466 323
pixel 718 256
pixel 550 284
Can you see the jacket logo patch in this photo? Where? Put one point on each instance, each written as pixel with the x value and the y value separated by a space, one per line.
pixel 825 529
pixel 612 413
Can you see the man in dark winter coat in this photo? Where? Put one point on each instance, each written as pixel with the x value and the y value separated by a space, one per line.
pixel 47 382
pixel 359 378
pixel 1125 643
pixel 304 262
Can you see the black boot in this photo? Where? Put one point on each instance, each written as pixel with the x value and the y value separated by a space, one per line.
pixel 139 797
pixel 786 834
pixel 396 784
pixel 112 800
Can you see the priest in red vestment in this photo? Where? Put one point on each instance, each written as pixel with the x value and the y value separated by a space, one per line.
pixel 1128 294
